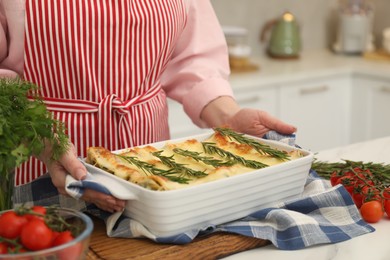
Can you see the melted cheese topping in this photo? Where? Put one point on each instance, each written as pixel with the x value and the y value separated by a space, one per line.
pixel 129 171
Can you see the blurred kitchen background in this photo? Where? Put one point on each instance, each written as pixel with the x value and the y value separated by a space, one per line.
pixel 322 67
pixel 317 19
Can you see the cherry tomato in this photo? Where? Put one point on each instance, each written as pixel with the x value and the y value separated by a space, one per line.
pixel 362 173
pixel 357 199
pixel 386 193
pixel 371 193
pixel 365 177
pixel 38 210
pixel 63 238
pixel 36 235
pixel 55 235
pixel 3 248
pixel 348 182
pixel 387 207
pixel 16 250
pixel 371 211
pixel 70 253
pixel 11 224
pixel 334 177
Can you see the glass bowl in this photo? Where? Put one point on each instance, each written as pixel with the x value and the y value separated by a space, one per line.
pixel 73 250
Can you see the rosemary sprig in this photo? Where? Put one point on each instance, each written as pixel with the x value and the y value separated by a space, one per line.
pixel 259 147
pixel 178 167
pixel 379 170
pixel 211 148
pixel 151 169
pixel 205 159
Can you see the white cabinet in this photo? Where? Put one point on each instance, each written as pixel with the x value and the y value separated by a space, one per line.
pixel 259 98
pixel 370 108
pixel 328 111
pixel 319 109
pixel 182 126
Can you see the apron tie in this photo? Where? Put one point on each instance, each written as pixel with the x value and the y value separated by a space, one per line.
pixel 109 108
pixel 110 105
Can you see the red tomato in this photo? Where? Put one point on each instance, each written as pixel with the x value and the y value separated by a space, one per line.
pixel 36 235
pixel 371 211
pixel 11 224
pixel 364 174
pixel 371 193
pixel 357 199
pixel 387 207
pixel 334 177
pixel 55 235
pixel 3 248
pixel 16 250
pixel 39 210
pixel 386 193
pixel 348 182
pixel 71 253
pixel 63 238
pixel 348 173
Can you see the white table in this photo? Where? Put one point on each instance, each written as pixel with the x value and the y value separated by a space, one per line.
pixel 372 246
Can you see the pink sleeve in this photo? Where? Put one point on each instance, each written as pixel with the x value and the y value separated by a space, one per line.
pixel 11 37
pixel 198 72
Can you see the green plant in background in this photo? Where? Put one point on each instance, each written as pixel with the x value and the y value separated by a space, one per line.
pixel 25 127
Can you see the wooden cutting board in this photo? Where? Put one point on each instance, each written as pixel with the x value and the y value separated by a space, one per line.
pixel 213 246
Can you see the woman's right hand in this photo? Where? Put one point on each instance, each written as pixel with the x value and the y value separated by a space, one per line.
pixel 69 164
pixel 103 201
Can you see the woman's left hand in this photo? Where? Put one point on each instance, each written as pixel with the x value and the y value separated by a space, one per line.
pixel 258 123
pixel 224 111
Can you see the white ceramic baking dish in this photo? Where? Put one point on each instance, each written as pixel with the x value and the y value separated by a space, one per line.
pixel 168 213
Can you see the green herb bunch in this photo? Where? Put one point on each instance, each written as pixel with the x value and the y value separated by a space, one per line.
pixel 25 127
pixel 381 171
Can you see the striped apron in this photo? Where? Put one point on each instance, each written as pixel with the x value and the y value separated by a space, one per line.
pixel 98 63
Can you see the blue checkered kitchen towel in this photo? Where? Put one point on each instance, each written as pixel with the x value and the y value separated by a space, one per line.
pixel 321 215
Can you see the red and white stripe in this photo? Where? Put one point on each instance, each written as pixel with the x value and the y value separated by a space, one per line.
pixel 98 63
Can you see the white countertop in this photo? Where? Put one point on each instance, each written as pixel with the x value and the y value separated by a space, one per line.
pixel 372 246
pixel 311 64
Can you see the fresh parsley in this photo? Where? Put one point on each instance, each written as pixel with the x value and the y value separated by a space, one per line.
pixel 25 126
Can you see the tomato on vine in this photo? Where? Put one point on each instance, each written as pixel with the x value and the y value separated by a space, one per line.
pixel 35 228
pixel 334 177
pixel 11 224
pixel 372 211
pixel 70 253
pixel 357 198
pixel 36 212
pixel 386 206
pixel 386 193
pixel 36 235
pixel 371 193
pixel 367 182
pixel 63 238
pixel 348 182
pixel 3 248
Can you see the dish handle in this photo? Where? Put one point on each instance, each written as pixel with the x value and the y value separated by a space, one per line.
pixel 98 182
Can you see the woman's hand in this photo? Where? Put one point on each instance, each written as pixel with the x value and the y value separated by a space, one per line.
pixel 257 123
pixel 224 111
pixel 103 201
pixel 69 164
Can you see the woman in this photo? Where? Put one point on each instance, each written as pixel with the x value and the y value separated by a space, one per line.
pixel 105 68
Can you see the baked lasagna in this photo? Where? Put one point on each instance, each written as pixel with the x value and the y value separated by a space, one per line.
pixel 178 165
